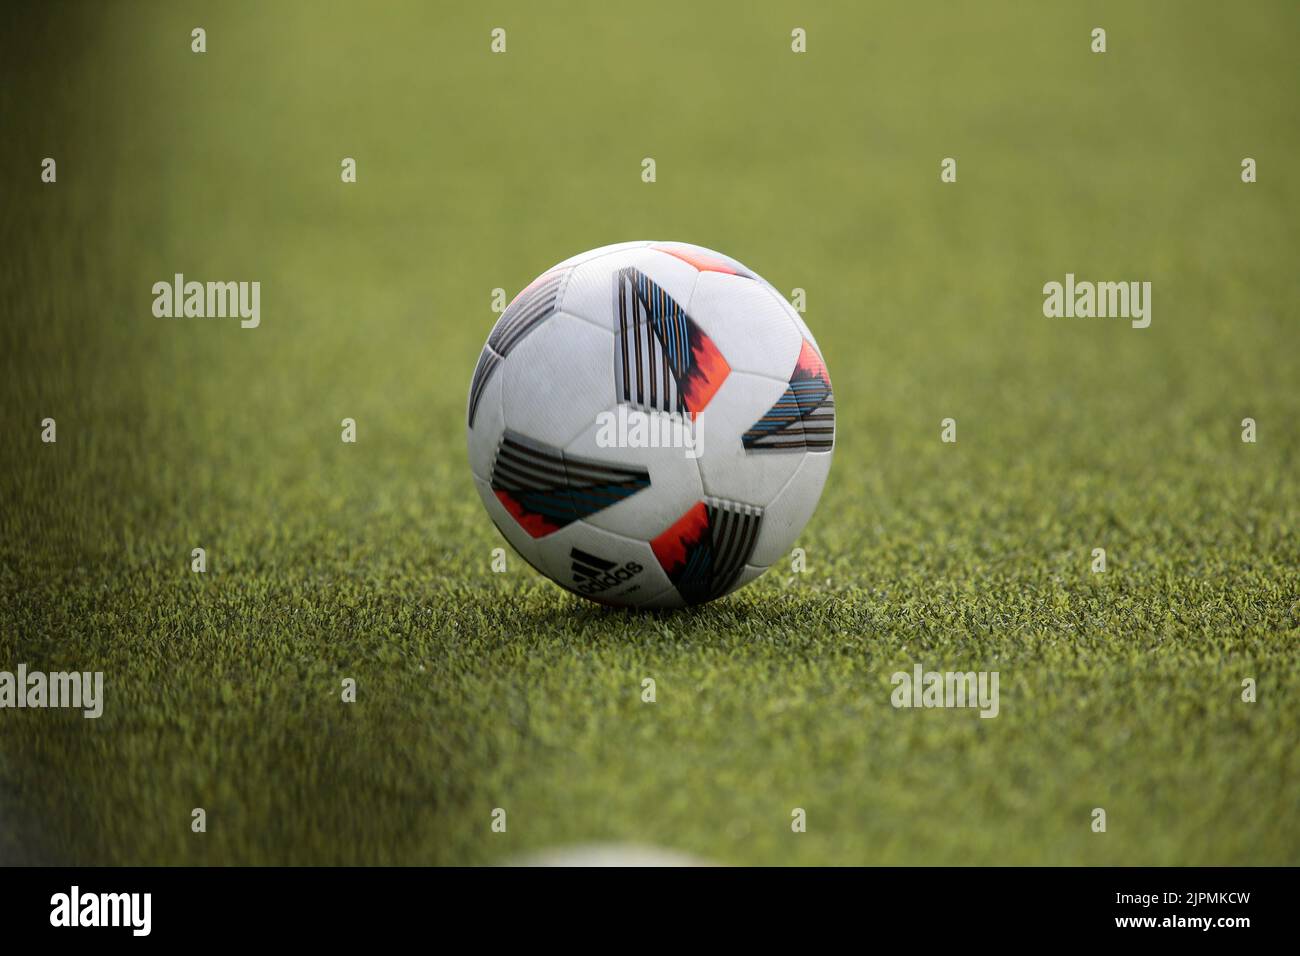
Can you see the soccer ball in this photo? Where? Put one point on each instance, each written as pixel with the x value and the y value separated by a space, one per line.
pixel 650 424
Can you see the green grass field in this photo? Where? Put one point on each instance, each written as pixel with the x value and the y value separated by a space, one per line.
pixel 371 561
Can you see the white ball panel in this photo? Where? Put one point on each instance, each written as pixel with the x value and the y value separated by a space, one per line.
pixel 747 323
pixel 727 470
pixel 608 568
pixel 799 323
pixel 519 539
pixel 558 379
pixel 708 259
pixel 590 289
pixel 784 518
pixel 674 483
pixel 489 423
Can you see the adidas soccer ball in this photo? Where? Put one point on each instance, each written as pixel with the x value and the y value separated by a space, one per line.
pixel 650 424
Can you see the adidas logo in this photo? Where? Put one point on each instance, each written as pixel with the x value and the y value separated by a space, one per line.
pixel 592 575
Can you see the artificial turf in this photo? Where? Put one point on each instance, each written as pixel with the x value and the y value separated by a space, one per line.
pixel 372 561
